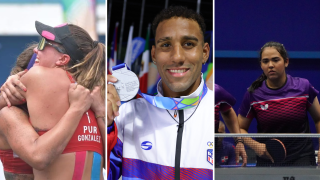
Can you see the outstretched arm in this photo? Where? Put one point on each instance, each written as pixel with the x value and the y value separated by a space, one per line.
pixel 40 151
pixel 99 108
pixel 231 120
pixel 314 111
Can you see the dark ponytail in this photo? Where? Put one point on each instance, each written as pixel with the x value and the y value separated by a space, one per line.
pixel 257 83
pixel 282 51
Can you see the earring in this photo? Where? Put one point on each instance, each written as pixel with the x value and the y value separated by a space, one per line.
pixel 154 62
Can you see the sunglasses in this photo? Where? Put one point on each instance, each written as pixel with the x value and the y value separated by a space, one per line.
pixel 43 42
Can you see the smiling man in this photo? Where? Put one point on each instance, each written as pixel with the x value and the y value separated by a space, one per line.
pixel 164 141
pixel 179 53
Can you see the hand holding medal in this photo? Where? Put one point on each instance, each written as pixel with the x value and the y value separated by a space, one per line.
pixel 113 100
pixel 123 85
pixel 128 84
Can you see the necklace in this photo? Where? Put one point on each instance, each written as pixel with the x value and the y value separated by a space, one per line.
pixel 176 111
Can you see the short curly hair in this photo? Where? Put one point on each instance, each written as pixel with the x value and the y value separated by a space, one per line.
pixel 178 11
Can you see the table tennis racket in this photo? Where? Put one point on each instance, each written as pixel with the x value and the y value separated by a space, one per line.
pixel 277 150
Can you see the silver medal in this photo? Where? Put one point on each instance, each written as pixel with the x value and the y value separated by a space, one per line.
pixel 127 85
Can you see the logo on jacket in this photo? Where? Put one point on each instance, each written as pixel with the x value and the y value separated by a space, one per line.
pixel 146 145
pixel 210 156
pixel 224 159
pixel 265 107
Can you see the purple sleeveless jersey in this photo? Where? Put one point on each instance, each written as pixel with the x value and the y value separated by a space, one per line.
pixel 223 102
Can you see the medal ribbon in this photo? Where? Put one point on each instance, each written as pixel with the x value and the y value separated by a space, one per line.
pixel 32 60
pixel 168 102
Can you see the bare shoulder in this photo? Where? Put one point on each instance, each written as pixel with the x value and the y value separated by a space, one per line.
pixel 41 79
pixel 37 74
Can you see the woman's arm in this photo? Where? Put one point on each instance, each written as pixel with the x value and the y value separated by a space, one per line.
pixel 314 111
pixel 2 101
pixel 99 108
pixel 231 120
pixel 259 148
pixel 10 94
pixel 40 151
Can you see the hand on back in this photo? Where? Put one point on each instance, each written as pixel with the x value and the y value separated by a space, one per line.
pixel 79 97
pixel 11 90
pixel 98 106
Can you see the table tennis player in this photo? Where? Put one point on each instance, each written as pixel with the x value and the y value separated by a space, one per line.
pixel 280 102
pixel 223 104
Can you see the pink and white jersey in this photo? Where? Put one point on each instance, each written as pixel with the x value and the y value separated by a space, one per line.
pixel 223 102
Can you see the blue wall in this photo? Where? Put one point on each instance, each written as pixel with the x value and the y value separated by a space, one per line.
pixel 247 25
pixel 39 1
pixel 243 27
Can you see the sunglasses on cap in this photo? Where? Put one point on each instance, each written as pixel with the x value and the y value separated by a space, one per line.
pixel 43 42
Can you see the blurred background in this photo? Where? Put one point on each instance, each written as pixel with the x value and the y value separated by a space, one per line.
pixel 129 42
pixel 18 18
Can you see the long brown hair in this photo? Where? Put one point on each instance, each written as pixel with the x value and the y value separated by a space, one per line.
pixel 89 71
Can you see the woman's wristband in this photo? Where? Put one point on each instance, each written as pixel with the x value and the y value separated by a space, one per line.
pixel 103 118
pixel 239 140
pixel 100 117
